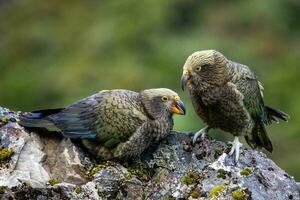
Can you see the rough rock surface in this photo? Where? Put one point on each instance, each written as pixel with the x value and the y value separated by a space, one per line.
pixel 38 166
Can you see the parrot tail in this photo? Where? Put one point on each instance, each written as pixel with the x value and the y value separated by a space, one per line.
pixel 39 119
pixel 275 114
pixel 259 138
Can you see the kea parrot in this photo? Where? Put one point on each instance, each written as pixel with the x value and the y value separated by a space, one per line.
pixel 227 95
pixel 113 124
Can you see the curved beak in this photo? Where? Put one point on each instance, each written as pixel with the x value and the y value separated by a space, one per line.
pixel 178 107
pixel 185 79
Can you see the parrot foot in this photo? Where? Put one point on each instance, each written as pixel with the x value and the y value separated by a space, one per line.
pixel 236 148
pixel 203 132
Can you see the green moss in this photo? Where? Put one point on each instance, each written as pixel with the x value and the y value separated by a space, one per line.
pixel 170 198
pixel 217 190
pixel 95 170
pixel 2 189
pixel 5 120
pixel 240 194
pixel 98 167
pixel 191 178
pixel 195 194
pixel 221 174
pixel 246 171
pixel 53 182
pixel 77 190
pixel 218 151
pixel 128 176
pixel 50 194
pixel 5 154
pixel 141 173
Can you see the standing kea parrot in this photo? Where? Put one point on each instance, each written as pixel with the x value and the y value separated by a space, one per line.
pixel 228 96
pixel 113 123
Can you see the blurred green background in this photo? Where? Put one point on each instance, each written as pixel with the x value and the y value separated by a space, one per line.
pixel 53 53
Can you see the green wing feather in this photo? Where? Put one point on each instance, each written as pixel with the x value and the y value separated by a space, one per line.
pixel 248 85
pixel 109 117
pixel 119 115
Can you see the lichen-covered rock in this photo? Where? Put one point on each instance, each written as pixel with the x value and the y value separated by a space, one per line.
pixel 43 167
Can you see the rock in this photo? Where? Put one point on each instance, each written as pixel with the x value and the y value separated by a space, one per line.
pixel 51 167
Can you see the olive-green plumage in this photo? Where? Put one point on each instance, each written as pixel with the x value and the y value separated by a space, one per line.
pixel 227 95
pixel 113 123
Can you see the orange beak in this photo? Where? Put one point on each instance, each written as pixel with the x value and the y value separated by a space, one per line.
pixel 178 107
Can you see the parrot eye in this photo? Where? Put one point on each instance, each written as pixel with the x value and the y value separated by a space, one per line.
pixel 197 69
pixel 177 98
pixel 164 98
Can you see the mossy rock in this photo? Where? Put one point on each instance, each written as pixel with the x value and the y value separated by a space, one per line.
pixel 223 174
pixel 5 154
pixel 53 182
pixel 98 167
pixel 191 178
pixel 246 171
pixel 195 194
pixel 77 190
pixel 216 191
pixel 2 189
pixel 144 174
pixel 4 120
pixel 218 151
pixel 241 194
pixel 170 198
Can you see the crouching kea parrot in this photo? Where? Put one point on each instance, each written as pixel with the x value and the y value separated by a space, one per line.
pixel 228 96
pixel 113 124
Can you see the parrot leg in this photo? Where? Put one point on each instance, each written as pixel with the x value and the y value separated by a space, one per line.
pixel 236 148
pixel 203 132
pixel 98 149
pixel 141 139
pixel 134 146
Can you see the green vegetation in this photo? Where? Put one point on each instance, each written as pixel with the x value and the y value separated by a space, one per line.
pixel 141 173
pixel 240 194
pixel 222 174
pixel 53 182
pixel 5 120
pixel 53 53
pixel 77 190
pixel 2 189
pixel 5 154
pixel 195 194
pixel 191 178
pixel 218 151
pixel 98 167
pixel 170 198
pixel 246 171
pixel 216 191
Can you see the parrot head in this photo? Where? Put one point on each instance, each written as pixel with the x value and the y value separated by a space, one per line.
pixel 162 102
pixel 204 68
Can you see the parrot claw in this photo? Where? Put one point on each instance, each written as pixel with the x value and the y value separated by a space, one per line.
pixel 236 148
pixel 203 132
